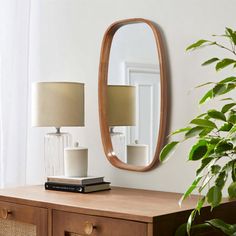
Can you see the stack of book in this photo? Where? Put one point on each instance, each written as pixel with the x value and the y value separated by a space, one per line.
pixel 76 184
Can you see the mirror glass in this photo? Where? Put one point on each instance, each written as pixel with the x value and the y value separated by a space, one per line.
pixel 133 94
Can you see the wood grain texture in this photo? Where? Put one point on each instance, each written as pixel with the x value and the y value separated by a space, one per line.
pixel 102 93
pixel 72 223
pixel 123 203
pixel 152 212
pixel 49 218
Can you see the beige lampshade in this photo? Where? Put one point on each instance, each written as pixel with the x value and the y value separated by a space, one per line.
pixel 121 105
pixel 57 104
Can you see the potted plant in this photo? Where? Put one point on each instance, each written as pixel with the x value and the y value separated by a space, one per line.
pixel 214 132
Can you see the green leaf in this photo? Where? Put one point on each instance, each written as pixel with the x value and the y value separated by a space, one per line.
pixel 201 115
pixel 204 164
pixel 223 147
pixel 180 130
pixel 214 140
pixel 198 150
pixel 214 196
pixel 182 230
pixel 232 118
pixel 193 186
pixel 219 89
pixel 226 127
pixel 228 166
pixel 210 61
pixel 221 179
pixel 190 221
pixel 201 85
pixel 220 35
pixel 194 131
pixel 205 132
pixel 203 123
pixel 233 140
pixel 224 63
pixel 198 44
pixel 233 172
pixel 232 130
pixel 215 169
pixel 200 204
pixel 207 96
pixel 229 87
pixel 216 115
pixel 227 107
pixel 227 99
pixel 232 190
pixel 227 80
pixel 210 148
pixel 221 225
pixel 167 150
pixel 232 35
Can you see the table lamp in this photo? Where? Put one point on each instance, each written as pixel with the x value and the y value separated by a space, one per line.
pixel 57 104
pixel 121 111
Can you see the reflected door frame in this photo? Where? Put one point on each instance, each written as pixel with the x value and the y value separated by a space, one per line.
pixel 133 134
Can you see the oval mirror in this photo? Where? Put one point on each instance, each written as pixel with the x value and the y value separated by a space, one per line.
pixel 132 94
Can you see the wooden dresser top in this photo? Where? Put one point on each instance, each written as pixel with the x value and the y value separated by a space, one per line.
pixel 124 203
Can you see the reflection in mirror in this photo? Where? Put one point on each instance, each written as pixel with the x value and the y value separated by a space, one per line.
pixel 133 94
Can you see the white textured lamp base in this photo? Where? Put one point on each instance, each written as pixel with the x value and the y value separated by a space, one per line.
pixel 54 144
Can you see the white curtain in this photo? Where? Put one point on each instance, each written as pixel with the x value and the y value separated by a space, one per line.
pixel 14 83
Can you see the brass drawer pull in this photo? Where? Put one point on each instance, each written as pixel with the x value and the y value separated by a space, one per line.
pixel 4 213
pixel 88 228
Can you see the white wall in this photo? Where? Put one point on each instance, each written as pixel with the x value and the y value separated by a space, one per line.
pixel 65 45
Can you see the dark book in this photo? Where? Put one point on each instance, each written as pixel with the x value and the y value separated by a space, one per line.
pixel 77 188
pixel 75 180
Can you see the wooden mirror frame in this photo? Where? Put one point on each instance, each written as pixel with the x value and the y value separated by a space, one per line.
pixel 102 94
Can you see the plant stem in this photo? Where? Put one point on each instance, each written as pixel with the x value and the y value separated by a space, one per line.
pixel 222 46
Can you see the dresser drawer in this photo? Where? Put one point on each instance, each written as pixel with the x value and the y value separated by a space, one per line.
pixel 73 224
pixel 19 218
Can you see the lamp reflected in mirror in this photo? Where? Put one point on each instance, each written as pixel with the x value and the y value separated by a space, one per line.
pixel 121 113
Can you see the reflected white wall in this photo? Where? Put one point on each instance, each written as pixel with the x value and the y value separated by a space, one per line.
pixel 133 43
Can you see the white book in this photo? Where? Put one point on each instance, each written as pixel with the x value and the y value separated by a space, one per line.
pixel 75 180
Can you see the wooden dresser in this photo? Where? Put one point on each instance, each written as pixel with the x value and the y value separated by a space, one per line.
pixel 33 211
